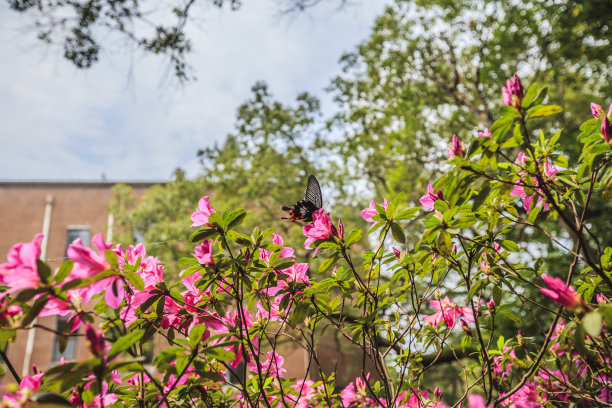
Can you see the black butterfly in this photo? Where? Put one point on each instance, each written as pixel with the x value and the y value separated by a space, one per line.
pixel 303 209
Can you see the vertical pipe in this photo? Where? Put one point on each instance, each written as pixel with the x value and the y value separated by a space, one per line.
pixel 43 255
pixel 109 228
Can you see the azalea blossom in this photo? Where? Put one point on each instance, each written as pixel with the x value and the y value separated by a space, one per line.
pixel 498 363
pixel 457 148
pixel 549 174
pixel 486 133
pixel 320 228
pixel 200 217
pixel 476 401
pixel 203 253
pixel 513 93
pixel 561 293
pixel 428 200
pixel 371 211
pixel 449 312
pixel 21 271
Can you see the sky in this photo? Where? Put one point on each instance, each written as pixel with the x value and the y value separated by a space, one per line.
pixel 126 118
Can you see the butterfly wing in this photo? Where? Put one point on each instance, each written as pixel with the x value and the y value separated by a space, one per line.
pixel 313 192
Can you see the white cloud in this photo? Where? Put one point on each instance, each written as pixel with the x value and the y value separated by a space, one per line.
pixel 62 123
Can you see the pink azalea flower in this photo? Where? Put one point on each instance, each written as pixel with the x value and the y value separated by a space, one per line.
pixel 476 401
pixel 286 252
pixel 498 370
pixel 486 133
pixel 200 217
pixel 320 228
pixel 447 311
pixel 428 200
pixel 203 253
pixel 21 272
pixel 457 148
pixel 561 293
pixel 31 382
pixel 273 366
pixel 512 93
pixel 601 299
pixel 370 212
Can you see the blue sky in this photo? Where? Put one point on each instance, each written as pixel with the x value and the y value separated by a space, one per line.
pixel 60 123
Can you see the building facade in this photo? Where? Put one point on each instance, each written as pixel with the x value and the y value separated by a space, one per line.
pixel 63 211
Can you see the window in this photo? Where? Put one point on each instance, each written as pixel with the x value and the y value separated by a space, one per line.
pixel 77 231
pixel 70 352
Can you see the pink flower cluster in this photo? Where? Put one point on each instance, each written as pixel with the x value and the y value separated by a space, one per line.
pixel 548 173
pixel 321 227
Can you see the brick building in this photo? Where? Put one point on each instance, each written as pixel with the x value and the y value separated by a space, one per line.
pixel 63 211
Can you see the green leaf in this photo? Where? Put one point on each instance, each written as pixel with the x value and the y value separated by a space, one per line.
pixel 328 263
pixel 599 148
pixel 135 280
pixel 63 271
pixel 234 218
pixel 579 340
pixel 444 243
pixel 398 233
pixel 535 94
pixel 592 323
pixel 407 214
pixel 36 308
pixel 543 110
pixel 196 334
pixel 124 342
pixel 111 257
pixel 44 272
pixel 475 287
pixel 509 246
pixel 202 234
pixel 497 295
pixel 515 319
pixel 353 237
pixel 481 197
pixel 215 220
pixel 188 260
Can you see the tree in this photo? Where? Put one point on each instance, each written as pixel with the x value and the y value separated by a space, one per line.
pixel 433 68
pixel 261 166
pixel 82 27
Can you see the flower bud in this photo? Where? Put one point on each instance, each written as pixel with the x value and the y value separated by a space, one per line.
pixel 596 110
pixel 520 339
pixel 606 130
pixel 95 340
pixel 437 394
pixel 491 306
pixel 512 93
pixel 457 148
pixel 397 253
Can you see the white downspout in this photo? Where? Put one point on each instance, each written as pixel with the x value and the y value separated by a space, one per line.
pixel 43 255
pixel 109 228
